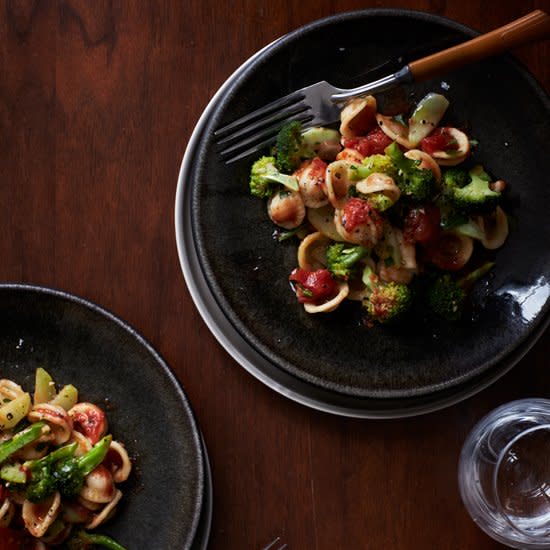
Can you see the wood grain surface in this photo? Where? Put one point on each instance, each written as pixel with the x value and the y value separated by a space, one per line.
pixel 98 99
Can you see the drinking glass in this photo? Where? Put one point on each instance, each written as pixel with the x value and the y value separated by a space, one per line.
pixel 504 474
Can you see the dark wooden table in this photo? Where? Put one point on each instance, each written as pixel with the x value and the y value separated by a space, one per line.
pixel 97 101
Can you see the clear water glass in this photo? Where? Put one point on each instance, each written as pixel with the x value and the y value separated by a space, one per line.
pixel 504 474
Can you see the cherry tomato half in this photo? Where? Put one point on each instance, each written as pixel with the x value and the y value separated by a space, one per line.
pixel 422 224
pixel 313 287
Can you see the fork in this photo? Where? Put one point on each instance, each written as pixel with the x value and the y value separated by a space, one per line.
pixel 320 104
pixel 271 545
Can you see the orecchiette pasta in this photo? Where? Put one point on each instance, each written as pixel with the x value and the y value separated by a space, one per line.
pixel 389 203
pixel 59 471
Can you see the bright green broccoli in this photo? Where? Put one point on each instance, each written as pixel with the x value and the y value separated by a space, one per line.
pixel 289 147
pixel 386 302
pixel 470 192
pixel 446 296
pixel 20 439
pixel 380 164
pixel 293 145
pixel 265 179
pixel 69 474
pixel 416 184
pixel 342 259
pixel 61 471
pixel 82 540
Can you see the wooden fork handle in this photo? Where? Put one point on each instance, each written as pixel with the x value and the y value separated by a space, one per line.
pixel 531 27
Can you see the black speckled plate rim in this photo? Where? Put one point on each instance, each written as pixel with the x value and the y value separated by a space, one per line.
pixel 307 392
pixel 166 371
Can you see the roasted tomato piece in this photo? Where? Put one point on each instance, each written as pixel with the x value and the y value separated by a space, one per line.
pixel 439 140
pixel 359 212
pixel 422 224
pixel 450 251
pixel 313 287
pixel 373 143
pixel 90 420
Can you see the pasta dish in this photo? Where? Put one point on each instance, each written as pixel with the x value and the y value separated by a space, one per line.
pixel 390 211
pixel 59 468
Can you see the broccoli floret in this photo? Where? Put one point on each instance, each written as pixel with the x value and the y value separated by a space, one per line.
pixel 293 145
pixel 470 192
pixel 69 474
pixel 41 485
pixel 381 164
pixel 265 179
pixel 446 296
pixel 61 471
pixel 379 201
pixel 416 184
pixel 386 302
pixel 342 259
pixel 289 147
pixel 454 178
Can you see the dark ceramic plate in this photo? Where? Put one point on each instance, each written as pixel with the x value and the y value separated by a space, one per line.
pixel 79 343
pixel 246 270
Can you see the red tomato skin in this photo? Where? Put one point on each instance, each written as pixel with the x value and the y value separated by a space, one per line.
pixel 319 284
pixel 443 252
pixel 359 212
pixel 90 423
pixel 438 140
pixel 422 224
pixel 373 143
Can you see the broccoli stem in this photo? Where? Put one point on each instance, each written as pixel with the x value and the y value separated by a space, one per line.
pixel 83 537
pixel 94 456
pixel 19 440
pixel 12 473
pixel 59 454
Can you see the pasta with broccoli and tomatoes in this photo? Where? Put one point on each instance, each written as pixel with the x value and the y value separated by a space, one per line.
pixel 59 468
pixel 390 211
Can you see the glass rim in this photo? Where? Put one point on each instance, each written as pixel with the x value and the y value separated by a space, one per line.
pixel 498 503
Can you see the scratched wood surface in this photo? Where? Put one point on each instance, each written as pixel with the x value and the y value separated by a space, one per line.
pixel 97 101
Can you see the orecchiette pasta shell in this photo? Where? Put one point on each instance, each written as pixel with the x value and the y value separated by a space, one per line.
pixel 57 418
pixel 98 486
pixel 312 251
pixel 358 117
pixel 40 515
pixel 286 209
pixel 394 130
pixel 311 179
pixel 106 512
pixel 323 220
pixel 379 183
pixel 338 182
pixel 9 389
pixel 119 463
pixel 456 156
pixel 330 305
pixel 495 229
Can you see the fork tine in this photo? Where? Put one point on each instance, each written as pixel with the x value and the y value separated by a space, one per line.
pixel 269 546
pixel 266 109
pixel 265 121
pixel 258 141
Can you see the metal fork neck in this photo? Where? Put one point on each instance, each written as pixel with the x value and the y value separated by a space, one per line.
pixel 403 76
